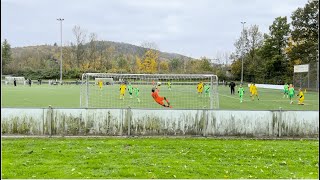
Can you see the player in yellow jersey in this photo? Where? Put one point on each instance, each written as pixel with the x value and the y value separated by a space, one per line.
pixel 301 97
pixel 254 91
pixel 123 88
pixel 200 88
pixel 250 88
pixel 100 83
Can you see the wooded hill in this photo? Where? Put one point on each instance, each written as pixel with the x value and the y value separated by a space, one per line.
pixel 43 61
pixel 120 48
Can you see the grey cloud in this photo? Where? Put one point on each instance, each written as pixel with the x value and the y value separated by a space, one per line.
pixel 190 27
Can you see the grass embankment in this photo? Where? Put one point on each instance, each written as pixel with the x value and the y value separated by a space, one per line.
pixel 159 158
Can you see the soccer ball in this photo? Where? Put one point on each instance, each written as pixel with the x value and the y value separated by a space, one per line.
pixel 159 83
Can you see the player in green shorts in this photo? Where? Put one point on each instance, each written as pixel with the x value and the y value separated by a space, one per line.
pixel 136 92
pixel 169 85
pixel 291 93
pixel 241 92
pixel 285 90
pixel 206 90
pixel 130 89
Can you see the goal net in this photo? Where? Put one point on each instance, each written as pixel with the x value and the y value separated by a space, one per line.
pixel 305 76
pixel 182 91
pixel 105 81
pixel 19 80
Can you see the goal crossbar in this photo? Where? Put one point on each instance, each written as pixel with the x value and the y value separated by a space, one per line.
pixel 186 82
pixel 165 76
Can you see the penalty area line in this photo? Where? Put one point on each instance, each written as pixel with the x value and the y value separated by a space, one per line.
pixel 265 99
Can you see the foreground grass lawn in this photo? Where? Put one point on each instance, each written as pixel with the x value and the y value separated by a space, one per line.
pixel 158 158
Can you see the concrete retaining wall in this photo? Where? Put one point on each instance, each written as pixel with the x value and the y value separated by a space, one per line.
pixel 117 122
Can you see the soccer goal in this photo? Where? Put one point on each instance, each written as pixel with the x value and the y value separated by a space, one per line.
pixel 182 91
pixel 19 80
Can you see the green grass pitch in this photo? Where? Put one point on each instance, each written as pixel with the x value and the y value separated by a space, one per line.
pixel 151 158
pixel 180 97
pixel 168 158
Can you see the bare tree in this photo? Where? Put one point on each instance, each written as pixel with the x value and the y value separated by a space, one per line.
pixel 150 45
pixel 241 44
pixel 226 58
pixel 79 45
pixel 255 40
pixel 93 50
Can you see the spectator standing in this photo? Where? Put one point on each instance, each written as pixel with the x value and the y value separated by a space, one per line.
pixel 39 81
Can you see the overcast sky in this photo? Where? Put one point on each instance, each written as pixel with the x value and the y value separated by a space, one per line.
pixel 190 27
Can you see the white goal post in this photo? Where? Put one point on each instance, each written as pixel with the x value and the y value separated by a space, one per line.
pixel 19 80
pixel 180 90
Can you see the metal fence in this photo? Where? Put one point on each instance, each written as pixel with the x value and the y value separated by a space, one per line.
pixel 307 80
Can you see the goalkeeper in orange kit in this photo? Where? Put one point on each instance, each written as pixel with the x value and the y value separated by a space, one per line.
pixel 159 99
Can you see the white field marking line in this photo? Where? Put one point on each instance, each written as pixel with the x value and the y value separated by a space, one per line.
pixel 27 100
pixel 283 100
pixel 260 99
pixel 231 97
pixel 44 88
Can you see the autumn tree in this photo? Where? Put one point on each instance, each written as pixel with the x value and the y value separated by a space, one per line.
pixel 122 63
pixel 176 65
pixel 130 63
pixel 206 66
pixel 152 49
pixel 148 64
pixel 108 56
pixel 164 66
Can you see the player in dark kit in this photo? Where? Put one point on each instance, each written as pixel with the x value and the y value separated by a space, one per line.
pixel 232 85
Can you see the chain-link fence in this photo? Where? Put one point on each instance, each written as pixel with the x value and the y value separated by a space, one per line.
pixel 307 80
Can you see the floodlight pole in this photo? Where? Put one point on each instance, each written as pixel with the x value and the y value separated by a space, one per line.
pixel 60 19
pixel 242 51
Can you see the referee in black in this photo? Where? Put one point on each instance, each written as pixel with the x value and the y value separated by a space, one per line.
pixel 232 85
